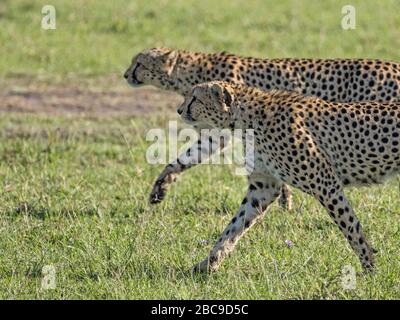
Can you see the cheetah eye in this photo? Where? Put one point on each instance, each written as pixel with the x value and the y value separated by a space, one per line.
pixel 141 64
pixel 198 100
pixel 201 102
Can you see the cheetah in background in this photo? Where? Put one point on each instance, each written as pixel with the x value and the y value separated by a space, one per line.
pixel 335 80
pixel 316 146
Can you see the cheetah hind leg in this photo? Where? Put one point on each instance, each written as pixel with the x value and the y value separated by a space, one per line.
pixel 285 199
pixel 262 192
pixel 344 217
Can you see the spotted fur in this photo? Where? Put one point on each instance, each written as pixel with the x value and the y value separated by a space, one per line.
pixel 336 80
pixel 316 146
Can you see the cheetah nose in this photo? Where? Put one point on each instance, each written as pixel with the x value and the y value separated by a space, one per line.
pixel 179 111
pixel 126 75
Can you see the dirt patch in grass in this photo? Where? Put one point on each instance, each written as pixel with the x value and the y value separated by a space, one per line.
pixel 86 99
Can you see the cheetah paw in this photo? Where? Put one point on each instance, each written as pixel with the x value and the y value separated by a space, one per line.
pixel 202 267
pixel 205 267
pixel 158 193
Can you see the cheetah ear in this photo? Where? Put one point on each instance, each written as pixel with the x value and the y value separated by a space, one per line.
pixel 170 58
pixel 222 95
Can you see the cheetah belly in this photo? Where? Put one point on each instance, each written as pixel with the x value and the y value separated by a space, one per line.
pixel 369 177
pixel 264 165
pixel 370 169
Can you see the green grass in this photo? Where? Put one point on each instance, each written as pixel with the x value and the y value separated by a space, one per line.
pixel 74 190
pixel 74 196
pixel 100 37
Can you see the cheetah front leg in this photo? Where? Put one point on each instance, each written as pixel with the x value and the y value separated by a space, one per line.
pixel 343 215
pixel 261 193
pixel 197 153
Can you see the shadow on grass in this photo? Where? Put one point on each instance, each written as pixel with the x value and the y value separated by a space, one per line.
pixel 41 213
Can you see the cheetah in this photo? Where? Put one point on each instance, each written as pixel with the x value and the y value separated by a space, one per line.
pixel 335 80
pixel 317 146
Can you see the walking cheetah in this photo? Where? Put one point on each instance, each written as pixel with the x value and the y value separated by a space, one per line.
pixel 336 80
pixel 308 143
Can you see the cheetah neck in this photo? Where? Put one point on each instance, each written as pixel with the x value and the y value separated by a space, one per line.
pixel 189 71
pixel 247 102
pixel 253 107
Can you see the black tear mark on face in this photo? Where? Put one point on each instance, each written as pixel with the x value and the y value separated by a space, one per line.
pixel 134 76
pixel 189 112
pixel 227 98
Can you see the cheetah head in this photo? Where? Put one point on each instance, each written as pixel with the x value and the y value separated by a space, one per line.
pixel 208 104
pixel 152 67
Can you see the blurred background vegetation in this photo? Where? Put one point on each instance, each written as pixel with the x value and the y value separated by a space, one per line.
pixel 96 38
